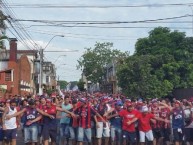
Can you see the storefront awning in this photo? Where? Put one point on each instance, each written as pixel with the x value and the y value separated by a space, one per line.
pixel 24 87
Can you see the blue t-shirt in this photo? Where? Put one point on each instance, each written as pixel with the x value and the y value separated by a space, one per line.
pixel 30 114
pixel 116 121
pixel 177 119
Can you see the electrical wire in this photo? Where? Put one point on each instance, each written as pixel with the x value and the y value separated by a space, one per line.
pixel 101 22
pixel 21 33
pixel 17 5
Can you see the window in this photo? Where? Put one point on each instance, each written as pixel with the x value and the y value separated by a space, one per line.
pixel 47 79
pixel 8 76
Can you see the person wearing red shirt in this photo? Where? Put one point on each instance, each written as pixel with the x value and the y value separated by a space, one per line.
pixel 155 109
pixel 50 125
pixel 84 115
pixel 41 105
pixel 129 117
pixel 144 126
pixel 165 128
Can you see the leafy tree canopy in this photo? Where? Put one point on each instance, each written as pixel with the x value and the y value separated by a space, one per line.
pixel 93 61
pixel 80 85
pixel 62 84
pixel 162 62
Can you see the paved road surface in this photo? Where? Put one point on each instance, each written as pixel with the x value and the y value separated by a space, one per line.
pixel 19 138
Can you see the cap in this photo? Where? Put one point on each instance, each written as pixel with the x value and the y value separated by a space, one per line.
pixel 144 109
pixel 83 100
pixel 119 103
pixel 139 103
pixel 154 101
pixel 31 102
pixel 8 101
pixel 48 101
pixel 177 102
pixel 129 104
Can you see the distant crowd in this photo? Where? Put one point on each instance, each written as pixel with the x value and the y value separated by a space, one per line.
pixel 78 118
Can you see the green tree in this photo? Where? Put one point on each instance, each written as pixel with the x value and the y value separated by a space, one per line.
pixel 62 84
pixel 93 61
pixel 80 85
pixel 161 63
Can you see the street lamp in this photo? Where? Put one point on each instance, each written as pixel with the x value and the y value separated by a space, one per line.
pixel 52 39
pixel 41 61
pixel 58 58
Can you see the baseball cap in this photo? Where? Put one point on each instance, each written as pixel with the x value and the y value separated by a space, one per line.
pixel 177 102
pixel 83 100
pixel 129 104
pixel 144 109
pixel 154 100
pixel 119 103
pixel 48 101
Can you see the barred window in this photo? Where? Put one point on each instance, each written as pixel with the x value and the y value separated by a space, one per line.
pixel 8 76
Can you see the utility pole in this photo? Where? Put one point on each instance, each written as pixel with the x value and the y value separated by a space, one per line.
pixel 41 71
pixel 41 63
pixel 41 51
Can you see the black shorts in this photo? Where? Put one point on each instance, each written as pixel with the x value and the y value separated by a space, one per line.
pixel 156 133
pixel 165 133
pixel 188 134
pixel 130 136
pixel 49 132
pixel 10 134
pixel 1 134
pixel 178 136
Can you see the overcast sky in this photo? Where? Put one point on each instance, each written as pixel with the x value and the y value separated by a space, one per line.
pixel 77 38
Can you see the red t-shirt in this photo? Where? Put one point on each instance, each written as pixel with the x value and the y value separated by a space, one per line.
pixel 51 111
pixel 156 111
pixel 144 121
pixel 128 116
pixel 41 107
pixel 164 114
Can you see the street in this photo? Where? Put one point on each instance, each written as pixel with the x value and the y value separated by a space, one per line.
pixel 20 140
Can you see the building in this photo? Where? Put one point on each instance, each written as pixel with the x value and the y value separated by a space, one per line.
pixel 72 86
pixel 15 72
pixel 110 83
pixel 90 86
pixel 49 76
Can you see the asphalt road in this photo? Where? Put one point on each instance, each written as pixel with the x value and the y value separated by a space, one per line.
pixel 20 140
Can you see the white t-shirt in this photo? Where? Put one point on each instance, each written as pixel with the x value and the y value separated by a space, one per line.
pixel 191 124
pixel 11 123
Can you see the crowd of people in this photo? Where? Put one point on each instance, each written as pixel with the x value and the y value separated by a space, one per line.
pixel 78 118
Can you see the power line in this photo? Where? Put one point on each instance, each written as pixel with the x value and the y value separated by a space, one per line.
pixel 17 5
pixel 100 22
pixel 118 27
pixel 62 51
pixel 20 37
pixel 22 33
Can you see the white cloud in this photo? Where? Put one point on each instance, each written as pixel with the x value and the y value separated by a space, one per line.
pixel 74 41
